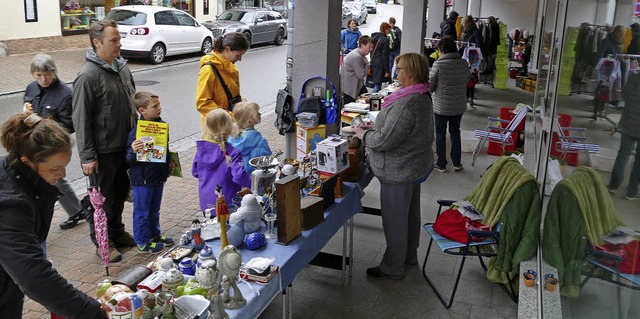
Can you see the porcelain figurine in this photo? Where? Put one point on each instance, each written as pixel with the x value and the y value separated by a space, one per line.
pixel 255 240
pixel 235 234
pixel 172 279
pixel 207 275
pixel 229 263
pixel 250 211
pixel 187 266
pixel 205 254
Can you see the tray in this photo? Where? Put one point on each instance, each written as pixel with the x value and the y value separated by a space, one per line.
pixel 178 252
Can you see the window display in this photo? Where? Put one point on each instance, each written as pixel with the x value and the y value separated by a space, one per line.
pixel 77 15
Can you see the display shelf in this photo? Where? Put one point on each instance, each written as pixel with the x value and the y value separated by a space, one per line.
pixel 84 17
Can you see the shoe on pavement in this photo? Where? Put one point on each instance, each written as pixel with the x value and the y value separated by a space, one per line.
pixel 632 197
pixel 124 239
pixel 72 221
pixel 458 168
pixel 440 169
pixel 376 273
pixel 611 190
pixel 114 254
pixel 151 247
pixel 167 241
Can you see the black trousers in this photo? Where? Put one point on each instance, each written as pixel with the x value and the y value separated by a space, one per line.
pixel 114 186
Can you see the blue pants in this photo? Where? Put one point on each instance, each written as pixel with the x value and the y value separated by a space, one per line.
pixel 441 139
pixel 617 176
pixel 146 213
pixel 392 58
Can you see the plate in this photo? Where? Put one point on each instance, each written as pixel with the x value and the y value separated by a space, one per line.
pixel 178 252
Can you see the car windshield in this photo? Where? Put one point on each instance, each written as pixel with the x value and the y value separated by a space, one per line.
pixel 242 16
pixel 355 6
pixel 126 17
pixel 370 2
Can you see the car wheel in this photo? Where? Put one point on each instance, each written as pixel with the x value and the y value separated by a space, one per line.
pixel 157 54
pixel 247 36
pixel 207 45
pixel 279 37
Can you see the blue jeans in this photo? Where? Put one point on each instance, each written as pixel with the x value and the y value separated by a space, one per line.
pixel 146 213
pixel 617 176
pixel 392 58
pixel 376 87
pixel 441 139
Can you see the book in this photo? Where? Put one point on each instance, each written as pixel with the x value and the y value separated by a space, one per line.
pixel 175 169
pixel 467 210
pixel 155 136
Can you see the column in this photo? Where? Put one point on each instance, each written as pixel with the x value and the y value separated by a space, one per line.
pixel 414 15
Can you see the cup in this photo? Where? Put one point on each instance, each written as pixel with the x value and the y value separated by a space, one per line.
pixel 270 218
pixel 550 283
pixel 529 278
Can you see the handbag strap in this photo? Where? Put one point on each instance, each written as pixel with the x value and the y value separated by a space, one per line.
pixel 224 85
pixel 374 49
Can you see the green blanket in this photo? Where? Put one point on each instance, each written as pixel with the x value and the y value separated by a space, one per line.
pixel 594 201
pixel 496 188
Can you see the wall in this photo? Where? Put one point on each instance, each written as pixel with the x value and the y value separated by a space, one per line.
pixel 514 13
pixel 13 24
pixel 199 10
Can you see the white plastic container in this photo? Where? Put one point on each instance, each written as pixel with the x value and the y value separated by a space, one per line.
pixel 194 303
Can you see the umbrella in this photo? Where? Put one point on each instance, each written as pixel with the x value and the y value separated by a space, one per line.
pixel 99 219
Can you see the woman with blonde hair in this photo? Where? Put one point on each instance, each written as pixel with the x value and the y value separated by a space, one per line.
pixel 217 162
pixel 247 139
pixel 401 157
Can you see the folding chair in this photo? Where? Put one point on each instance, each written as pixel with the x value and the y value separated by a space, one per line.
pixel 495 133
pixel 494 196
pixel 574 143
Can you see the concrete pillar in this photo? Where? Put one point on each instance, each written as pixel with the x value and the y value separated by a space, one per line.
pixel 435 17
pixel 414 14
pixel 316 49
pixel 473 9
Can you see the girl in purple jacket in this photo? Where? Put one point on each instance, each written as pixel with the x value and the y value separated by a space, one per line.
pixel 217 162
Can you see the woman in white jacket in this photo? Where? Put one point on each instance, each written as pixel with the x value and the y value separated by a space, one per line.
pixel 448 85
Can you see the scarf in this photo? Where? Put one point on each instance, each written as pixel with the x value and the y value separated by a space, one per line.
pixel 419 88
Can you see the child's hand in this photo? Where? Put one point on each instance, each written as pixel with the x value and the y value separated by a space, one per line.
pixel 137 145
pixel 244 191
pixel 172 165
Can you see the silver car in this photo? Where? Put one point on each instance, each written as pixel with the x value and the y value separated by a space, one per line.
pixel 358 11
pixel 257 24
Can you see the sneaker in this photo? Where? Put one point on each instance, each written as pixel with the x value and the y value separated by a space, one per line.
pixel 458 168
pixel 151 247
pixel 114 254
pixel 611 190
pixel 167 241
pixel 72 221
pixel 124 239
pixel 440 169
pixel 632 197
pixel 376 273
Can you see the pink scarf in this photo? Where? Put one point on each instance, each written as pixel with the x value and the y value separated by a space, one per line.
pixel 419 88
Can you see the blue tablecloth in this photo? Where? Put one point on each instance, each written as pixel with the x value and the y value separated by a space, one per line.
pixel 296 255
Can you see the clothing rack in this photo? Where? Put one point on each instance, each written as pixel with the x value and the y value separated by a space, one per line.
pixel 478 18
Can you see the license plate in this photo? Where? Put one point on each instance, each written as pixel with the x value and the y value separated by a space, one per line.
pixel 123 34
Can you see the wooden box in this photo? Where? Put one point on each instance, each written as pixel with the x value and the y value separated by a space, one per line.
pixel 288 207
pixel 312 211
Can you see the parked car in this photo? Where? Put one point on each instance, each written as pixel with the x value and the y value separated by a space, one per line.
pixel 346 16
pixel 155 32
pixel 358 11
pixel 372 5
pixel 257 24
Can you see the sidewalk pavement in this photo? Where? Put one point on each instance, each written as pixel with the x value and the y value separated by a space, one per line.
pixel 71 251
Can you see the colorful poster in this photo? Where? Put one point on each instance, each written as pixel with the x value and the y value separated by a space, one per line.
pixel 155 136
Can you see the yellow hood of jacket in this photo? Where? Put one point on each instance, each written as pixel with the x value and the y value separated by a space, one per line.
pixel 209 92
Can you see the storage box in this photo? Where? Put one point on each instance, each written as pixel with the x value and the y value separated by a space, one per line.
pixel 307 138
pixel 311 212
pixel 332 155
pixel 496 148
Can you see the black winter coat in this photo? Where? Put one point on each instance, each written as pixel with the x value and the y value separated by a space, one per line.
pixel 634 45
pixel 448 27
pixel 379 59
pixel 26 210
pixel 53 102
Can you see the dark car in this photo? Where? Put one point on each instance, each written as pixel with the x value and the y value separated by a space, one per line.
pixel 257 24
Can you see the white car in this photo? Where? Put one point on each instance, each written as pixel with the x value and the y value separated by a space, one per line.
pixel 155 32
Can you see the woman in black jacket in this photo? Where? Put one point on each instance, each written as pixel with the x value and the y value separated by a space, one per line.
pixel 39 150
pixel 49 97
pixel 380 56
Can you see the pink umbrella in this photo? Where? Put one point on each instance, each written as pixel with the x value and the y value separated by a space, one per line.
pixel 99 219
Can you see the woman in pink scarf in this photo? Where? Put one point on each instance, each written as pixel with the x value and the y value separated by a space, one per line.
pixel 401 157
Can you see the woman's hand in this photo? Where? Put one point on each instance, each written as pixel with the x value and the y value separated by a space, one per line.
pixel 137 145
pixel 359 131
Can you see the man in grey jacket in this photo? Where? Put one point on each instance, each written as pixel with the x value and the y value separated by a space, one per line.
pixel 354 69
pixel 629 127
pixel 448 85
pixel 103 115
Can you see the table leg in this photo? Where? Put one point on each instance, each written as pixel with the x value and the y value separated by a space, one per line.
pixel 351 261
pixel 284 304
pixel 344 253
pixel 290 302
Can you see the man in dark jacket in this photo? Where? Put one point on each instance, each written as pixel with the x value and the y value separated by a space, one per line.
pixel 103 115
pixel 470 34
pixel 448 26
pixel 612 43
pixel 634 45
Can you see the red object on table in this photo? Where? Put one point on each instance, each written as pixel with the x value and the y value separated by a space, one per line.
pixel 572 157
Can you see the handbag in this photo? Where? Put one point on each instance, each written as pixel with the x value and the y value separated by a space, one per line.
pixel 369 71
pixel 316 104
pixel 285 119
pixel 231 100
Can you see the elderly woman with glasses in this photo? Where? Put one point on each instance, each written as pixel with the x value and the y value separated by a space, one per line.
pixel 401 157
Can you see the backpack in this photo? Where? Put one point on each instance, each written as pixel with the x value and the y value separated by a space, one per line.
pixel 285 119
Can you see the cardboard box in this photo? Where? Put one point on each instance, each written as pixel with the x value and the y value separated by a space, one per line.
pixel 309 137
pixel 332 155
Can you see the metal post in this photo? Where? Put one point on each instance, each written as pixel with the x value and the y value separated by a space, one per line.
pixel 288 153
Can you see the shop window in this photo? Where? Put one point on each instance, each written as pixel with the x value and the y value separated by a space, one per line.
pixel 77 15
pixel 30 11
